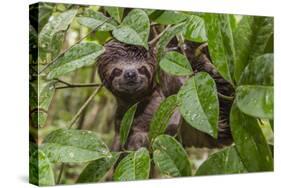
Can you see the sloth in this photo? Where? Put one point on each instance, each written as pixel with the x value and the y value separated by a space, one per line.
pixel 129 71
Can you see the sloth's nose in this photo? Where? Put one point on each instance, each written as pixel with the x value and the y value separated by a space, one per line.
pixel 130 75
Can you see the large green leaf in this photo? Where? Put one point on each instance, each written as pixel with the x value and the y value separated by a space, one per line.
pixel 134 29
pixel 45 12
pixel 80 55
pixel 54 30
pixel 170 157
pixel 251 38
pixel 126 123
pixel 40 170
pixel 162 116
pixel 220 43
pixel 170 17
pixel 175 63
pixel 70 145
pixel 226 161
pixel 95 19
pixel 199 104
pixel 259 72
pixel 96 170
pixel 115 12
pixel 250 142
pixel 255 95
pixel 195 30
pixel 167 37
pixel 256 101
pixel 135 166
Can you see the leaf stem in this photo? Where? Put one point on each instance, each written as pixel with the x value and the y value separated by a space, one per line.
pixel 77 42
pixel 60 173
pixel 158 36
pixel 229 98
pixel 75 85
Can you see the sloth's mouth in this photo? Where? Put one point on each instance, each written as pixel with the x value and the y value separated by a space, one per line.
pixel 131 86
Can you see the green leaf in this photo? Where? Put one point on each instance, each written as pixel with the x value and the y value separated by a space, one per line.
pixel 96 171
pixel 250 142
pixel 135 166
pixel 255 96
pixel 170 17
pixel 220 43
pixel 256 101
pixel 95 19
pixel 226 161
pixel 126 123
pixel 162 116
pixel 259 72
pixel 54 29
pixel 134 29
pixel 251 38
pixel 199 103
pixel 70 145
pixel 80 55
pixel 195 30
pixel 40 170
pixel 175 63
pixel 115 12
pixel 170 157
pixel 167 37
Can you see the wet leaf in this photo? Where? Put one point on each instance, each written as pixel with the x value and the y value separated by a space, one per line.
pixel 70 145
pixel 135 166
pixel 115 12
pixel 199 104
pixel 126 123
pixel 251 38
pixel 176 64
pixel 256 101
pixel 95 19
pixel 226 161
pixel 195 30
pixel 170 157
pixel 134 29
pixel 96 170
pixel 250 142
pixel 170 17
pixel 54 30
pixel 162 116
pixel 80 55
pixel 220 43
pixel 40 170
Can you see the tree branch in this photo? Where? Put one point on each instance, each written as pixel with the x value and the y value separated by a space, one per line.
pixel 61 54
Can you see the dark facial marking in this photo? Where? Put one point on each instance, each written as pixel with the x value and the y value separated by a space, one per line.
pixel 143 70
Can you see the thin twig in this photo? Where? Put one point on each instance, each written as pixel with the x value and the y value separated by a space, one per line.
pixel 77 42
pixel 75 85
pixel 74 119
pixel 60 173
pixel 198 50
pixel 180 39
pixel 158 36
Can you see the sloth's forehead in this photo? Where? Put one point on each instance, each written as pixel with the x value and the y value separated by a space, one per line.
pixel 125 63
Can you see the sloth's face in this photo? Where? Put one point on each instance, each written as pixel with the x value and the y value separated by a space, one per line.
pixel 129 78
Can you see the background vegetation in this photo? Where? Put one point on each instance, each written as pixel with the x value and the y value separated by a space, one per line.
pixel 71 115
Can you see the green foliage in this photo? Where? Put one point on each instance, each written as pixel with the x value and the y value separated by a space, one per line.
pixel 126 123
pixel 80 55
pixel 69 145
pixel 162 117
pixel 170 17
pixel 134 29
pixel 115 12
pixel 251 38
pixel 40 169
pixel 195 30
pixel 170 157
pixel 176 64
pixel 226 161
pixel 220 43
pixel 135 166
pixel 202 112
pixel 96 170
pixel 250 142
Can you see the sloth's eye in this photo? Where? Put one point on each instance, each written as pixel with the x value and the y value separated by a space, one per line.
pixel 143 70
pixel 116 72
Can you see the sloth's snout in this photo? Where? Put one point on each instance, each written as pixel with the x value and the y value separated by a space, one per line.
pixel 130 75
